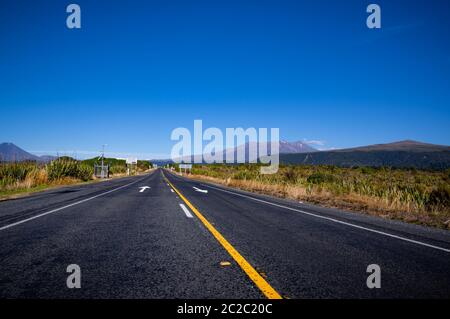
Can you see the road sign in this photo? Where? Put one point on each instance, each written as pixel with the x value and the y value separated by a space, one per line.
pixel 186 166
pixel 131 160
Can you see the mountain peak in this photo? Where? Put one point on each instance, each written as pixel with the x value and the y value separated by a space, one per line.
pixel 9 152
pixel 295 147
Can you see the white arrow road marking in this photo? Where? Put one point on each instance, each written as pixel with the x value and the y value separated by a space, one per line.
pixel 200 190
pixel 186 211
pixel 143 188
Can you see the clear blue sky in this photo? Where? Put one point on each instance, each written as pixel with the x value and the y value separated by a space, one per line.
pixel 138 69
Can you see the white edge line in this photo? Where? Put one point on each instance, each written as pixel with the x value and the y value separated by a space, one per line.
pixel 334 220
pixel 186 211
pixel 67 206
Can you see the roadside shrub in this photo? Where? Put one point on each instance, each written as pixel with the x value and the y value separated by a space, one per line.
pixel 290 175
pixel 439 197
pixel 12 173
pixel 68 168
pixel 37 176
pixel 85 172
pixel 320 178
pixel 244 175
pixel 143 165
pixel 118 169
pixel 367 170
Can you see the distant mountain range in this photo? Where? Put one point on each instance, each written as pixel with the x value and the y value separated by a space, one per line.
pixel 407 146
pixel 398 154
pixel 284 147
pixel 12 153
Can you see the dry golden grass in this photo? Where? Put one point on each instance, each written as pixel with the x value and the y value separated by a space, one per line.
pixel 39 177
pixel 366 204
pixel 20 179
pixel 36 177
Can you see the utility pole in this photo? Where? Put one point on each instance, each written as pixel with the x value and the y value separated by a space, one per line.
pixel 103 153
pixel 103 157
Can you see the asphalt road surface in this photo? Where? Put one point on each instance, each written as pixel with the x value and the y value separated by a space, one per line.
pixel 180 238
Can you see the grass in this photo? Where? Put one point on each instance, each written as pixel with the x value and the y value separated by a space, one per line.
pixel 22 178
pixel 28 177
pixel 416 196
pixel 61 169
pixel 25 177
pixel 6 194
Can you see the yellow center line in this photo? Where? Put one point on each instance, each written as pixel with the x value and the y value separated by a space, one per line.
pixel 259 281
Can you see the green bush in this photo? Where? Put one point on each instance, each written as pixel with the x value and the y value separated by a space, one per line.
pixel 143 165
pixel 85 172
pixel 68 168
pixel 439 196
pixel 320 178
pixel 118 169
pixel 290 175
pixel 11 173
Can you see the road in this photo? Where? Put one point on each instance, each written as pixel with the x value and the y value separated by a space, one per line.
pixel 166 236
